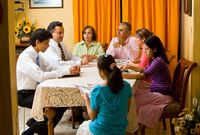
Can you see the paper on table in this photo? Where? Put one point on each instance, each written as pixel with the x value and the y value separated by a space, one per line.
pixel 85 89
pixel 120 62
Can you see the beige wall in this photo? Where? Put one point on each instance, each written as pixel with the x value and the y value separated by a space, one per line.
pixel 42 17
pixel 196 48
pixel 190 47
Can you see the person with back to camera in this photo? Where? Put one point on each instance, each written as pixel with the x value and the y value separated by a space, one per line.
pixel 88 47
pixel 33 69
pixel 152 97
pixel 109 102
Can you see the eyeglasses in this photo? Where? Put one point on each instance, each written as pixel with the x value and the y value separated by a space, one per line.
pixel 59 33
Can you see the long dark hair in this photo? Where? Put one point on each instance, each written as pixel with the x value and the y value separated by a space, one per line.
pixel 114 75
pixel 155 42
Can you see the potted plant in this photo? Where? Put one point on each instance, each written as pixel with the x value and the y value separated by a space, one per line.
pixel 24 29
pixel 189 123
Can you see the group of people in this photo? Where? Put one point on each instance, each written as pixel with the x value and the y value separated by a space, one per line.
pixel 47 57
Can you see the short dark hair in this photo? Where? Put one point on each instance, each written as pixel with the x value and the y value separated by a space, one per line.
pixel 41 35
pixel 114 75
pixel 94 35
pixel 52 25
pixel 128 25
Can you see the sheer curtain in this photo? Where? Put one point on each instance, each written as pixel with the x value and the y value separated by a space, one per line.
pixel 103 15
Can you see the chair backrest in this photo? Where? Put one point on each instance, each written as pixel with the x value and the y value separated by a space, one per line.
pixel 180 79
pixel 171 58
pixel 104 46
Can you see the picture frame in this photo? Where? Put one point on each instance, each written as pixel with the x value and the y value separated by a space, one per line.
pixel 45 4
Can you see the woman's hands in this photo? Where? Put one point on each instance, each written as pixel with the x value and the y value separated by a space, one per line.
pixel 85 96
pixel 128 65
pixel 91 113
pixel 133 66
pixel 85 59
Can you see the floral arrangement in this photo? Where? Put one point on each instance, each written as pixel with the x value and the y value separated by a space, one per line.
pixel 24 28
pixel 189 123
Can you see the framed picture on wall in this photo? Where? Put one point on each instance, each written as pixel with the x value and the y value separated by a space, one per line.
pixel 46 3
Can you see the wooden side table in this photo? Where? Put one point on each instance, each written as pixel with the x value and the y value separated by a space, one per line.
pixel 20 47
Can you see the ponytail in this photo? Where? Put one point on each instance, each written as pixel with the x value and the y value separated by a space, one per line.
pixel 115 81
pixel 114 76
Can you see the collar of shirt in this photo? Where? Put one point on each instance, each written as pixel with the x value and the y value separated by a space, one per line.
pixel 91 44
pixel 33 52
pixel 127 40
pixel 54 45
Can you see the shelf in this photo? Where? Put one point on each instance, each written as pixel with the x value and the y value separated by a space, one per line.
pixel 18 2
pixel 22 45
pixel 19 10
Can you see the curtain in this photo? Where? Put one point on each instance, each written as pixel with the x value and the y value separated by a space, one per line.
pixel 103 15
pixel 159 16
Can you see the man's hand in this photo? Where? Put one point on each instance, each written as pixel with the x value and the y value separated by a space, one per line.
pixel 75 70
pixel 116 45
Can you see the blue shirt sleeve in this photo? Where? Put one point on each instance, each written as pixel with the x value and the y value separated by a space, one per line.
pixel 95 98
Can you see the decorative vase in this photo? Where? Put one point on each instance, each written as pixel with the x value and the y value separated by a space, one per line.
pixel 25 39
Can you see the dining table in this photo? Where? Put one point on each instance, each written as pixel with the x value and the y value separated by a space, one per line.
pixel 65 92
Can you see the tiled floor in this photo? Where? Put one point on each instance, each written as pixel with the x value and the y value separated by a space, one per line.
pixel 64 127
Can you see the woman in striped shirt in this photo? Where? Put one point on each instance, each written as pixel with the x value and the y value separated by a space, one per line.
pixel 152 97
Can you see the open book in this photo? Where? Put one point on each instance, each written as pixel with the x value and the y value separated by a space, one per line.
pixel 85 88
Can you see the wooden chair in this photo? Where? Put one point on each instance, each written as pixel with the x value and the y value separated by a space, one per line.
pixel 23 114
pixel 171 58
pixel 104 46
pixel 180 82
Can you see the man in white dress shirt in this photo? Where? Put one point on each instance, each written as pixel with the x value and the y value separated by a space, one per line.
pixel 32 69
pixel 57 53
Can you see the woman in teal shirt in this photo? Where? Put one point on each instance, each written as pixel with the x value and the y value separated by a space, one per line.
pixel 109 102
pixel 88 46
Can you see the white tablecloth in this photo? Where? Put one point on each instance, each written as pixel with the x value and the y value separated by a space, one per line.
pixel 62 93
